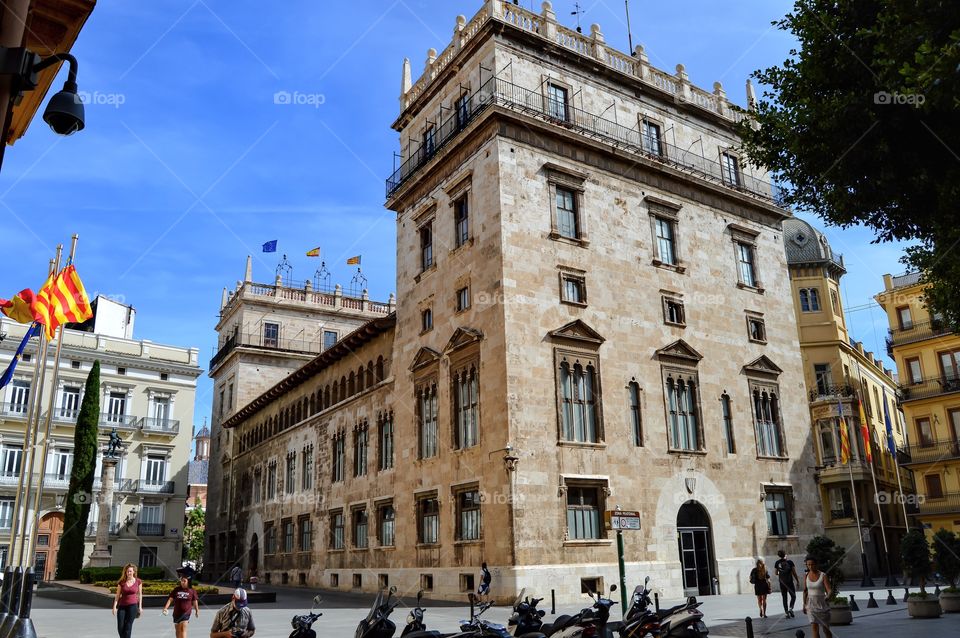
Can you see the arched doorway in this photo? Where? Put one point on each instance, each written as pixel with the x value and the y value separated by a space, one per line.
pixel 49 532
pixel 253 556
pixel 695 540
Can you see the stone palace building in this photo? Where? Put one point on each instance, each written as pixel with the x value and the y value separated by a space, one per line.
pixel 594 312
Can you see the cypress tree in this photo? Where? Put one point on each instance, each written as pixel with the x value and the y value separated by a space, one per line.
pixel 80 493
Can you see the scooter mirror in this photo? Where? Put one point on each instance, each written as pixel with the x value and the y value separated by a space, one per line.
pixel 393 589
pixel 419 596
pixel 613 588
pixel 646 581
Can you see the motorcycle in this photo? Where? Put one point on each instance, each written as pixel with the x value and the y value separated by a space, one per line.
pixel 526 620
pixel 416 628
pixel 377 624
pixel 303 623
pixel 589 623
pixel 681 621
pixel 477 627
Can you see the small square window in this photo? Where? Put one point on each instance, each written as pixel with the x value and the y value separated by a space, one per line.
pixel 284 578
pixel 27 357
pixel 673 313
pixel 466 582
pixel 75 365
pixel 334 580
pixel 426 320
pixel 357 581
pixel 383 580
pixel 302 578
pixel 757 330
pixel 463 298
pixel 426 582
pixel 121 371
pixel 592 585
pixel 573 289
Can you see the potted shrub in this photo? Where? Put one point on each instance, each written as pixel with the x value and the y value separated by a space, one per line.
pixel 829 559
pixel 915 552
pixel 946 556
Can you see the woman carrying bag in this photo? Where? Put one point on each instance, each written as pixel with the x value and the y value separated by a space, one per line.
pixel 760 579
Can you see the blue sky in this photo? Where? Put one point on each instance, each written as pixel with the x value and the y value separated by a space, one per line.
pixel 187 164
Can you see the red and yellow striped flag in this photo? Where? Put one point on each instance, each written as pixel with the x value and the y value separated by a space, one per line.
pixel 844 442
pixel 62 299
pixel 354 261
pixel 20 308
pixel 865 432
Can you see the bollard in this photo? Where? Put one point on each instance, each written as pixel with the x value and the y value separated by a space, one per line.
pixel 656 601
pixel 748 621
pixel 906 593
pixel 853 604
pixel 553 602
pixel 26 600
pixel 936 592
pixel 890 599
pixel 872 603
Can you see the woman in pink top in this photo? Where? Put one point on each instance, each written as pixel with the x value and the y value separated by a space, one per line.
pixel 128 603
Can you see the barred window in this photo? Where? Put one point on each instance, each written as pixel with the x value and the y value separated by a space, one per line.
pixel 306 481
pixel 306 534
pixel 633 396
pixel 584 503
pixel 288 483
pixel 466 402
pixel 336 529
pixel 287 536
pixel 428 520
pixel 427 419
pixel 468 515
pixel 578 401
pixel 360 528
pixel 338 461
pixel 386 519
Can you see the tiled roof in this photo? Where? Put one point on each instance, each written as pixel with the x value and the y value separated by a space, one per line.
pixel 197 472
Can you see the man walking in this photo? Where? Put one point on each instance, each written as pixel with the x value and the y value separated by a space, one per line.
pixel 234 619
pixel 789 581
pixel 485 578
pixel 236 575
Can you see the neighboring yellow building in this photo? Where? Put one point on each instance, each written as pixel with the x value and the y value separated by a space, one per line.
pixel 927 353
pixel 837 370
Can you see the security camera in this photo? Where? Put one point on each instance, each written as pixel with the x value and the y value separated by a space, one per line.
pixel 64 112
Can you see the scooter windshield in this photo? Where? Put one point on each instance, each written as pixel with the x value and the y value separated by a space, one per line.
pixel 376 605
pixel 519 599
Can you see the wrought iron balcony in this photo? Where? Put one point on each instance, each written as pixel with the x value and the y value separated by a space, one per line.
pixel 119 421
pixel 66 415
pixel 14 409
pixel 845 512
pixel 155 487
pixel 161 426
pixel 259 340
pixel 824 392
pixel 946 503
pixel 533 103
pixel 927 388
pixel 9 478
pixel 933 451
pixel 56 480
pixel 150 529
pixel 918 332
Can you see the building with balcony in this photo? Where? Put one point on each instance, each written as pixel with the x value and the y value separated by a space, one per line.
pixel 147 395
pixel 839 373
pixel 927 352
pixel 589 316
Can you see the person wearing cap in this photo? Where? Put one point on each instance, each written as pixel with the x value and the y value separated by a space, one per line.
pixel 234 619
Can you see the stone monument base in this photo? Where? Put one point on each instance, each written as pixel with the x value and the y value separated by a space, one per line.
pixel 100 558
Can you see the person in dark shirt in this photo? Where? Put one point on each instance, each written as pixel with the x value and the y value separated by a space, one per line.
pixel 185 601
pixel 789 581
pixel 485 578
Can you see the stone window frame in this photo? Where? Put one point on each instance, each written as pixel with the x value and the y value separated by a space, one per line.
pixel 602 486
pixel 748 237
pixel 644 118
pixel 424 218
pixel 462 297
pixel 461 187
pixel 546 82
pixel 733 153
pixel 456 491
pixel 463 363
pixel 773 388
pixel 427 380
pixel 355 510
pixel 419 499
pixel 378 507
pixel 567 273
pixel 361 453
pixel 332 541
pixel 586 358
pixel 789 505
pixel 384 418
pixel 269 538
pixel 756 317
pixel 573 180
pixel 286 524
pixel 669 211
pixel 426 319
pixel 668 298
pixel 687 373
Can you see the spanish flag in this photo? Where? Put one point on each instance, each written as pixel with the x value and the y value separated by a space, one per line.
pixel 354 261
pixel 844 437
pixel 62 300
pixel 20 308
pixel 865 432
pixel 315 252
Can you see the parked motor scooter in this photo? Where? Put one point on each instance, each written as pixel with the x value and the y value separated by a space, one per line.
pixel 377 624
pixel 303 623
pixel 682 621
pixel 416 627
pixel 526 620
pixel 589 623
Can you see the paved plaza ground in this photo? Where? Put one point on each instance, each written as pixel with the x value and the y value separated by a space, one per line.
pixel 724 615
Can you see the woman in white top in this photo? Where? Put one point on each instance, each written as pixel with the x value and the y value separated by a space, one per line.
pixel 816 593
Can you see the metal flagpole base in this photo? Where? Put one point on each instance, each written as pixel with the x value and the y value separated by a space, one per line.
pixel 891 581
pixel 866 581
pixel 24 629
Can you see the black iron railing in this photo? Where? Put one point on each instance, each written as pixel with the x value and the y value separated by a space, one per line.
pixel 122 421
pixel 824 392
pixel 845 512
pixel 155 487
pixel 934 451
pixel 927 388
pixel 918 332
pixel 149 529
pixel 946 503
pixel 259 340
pixel 498 92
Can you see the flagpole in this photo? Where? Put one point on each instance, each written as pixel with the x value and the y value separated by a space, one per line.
pixel 51 407
pixel 903 501
pixel 31 459
pixel 39 371
pixel 865 581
